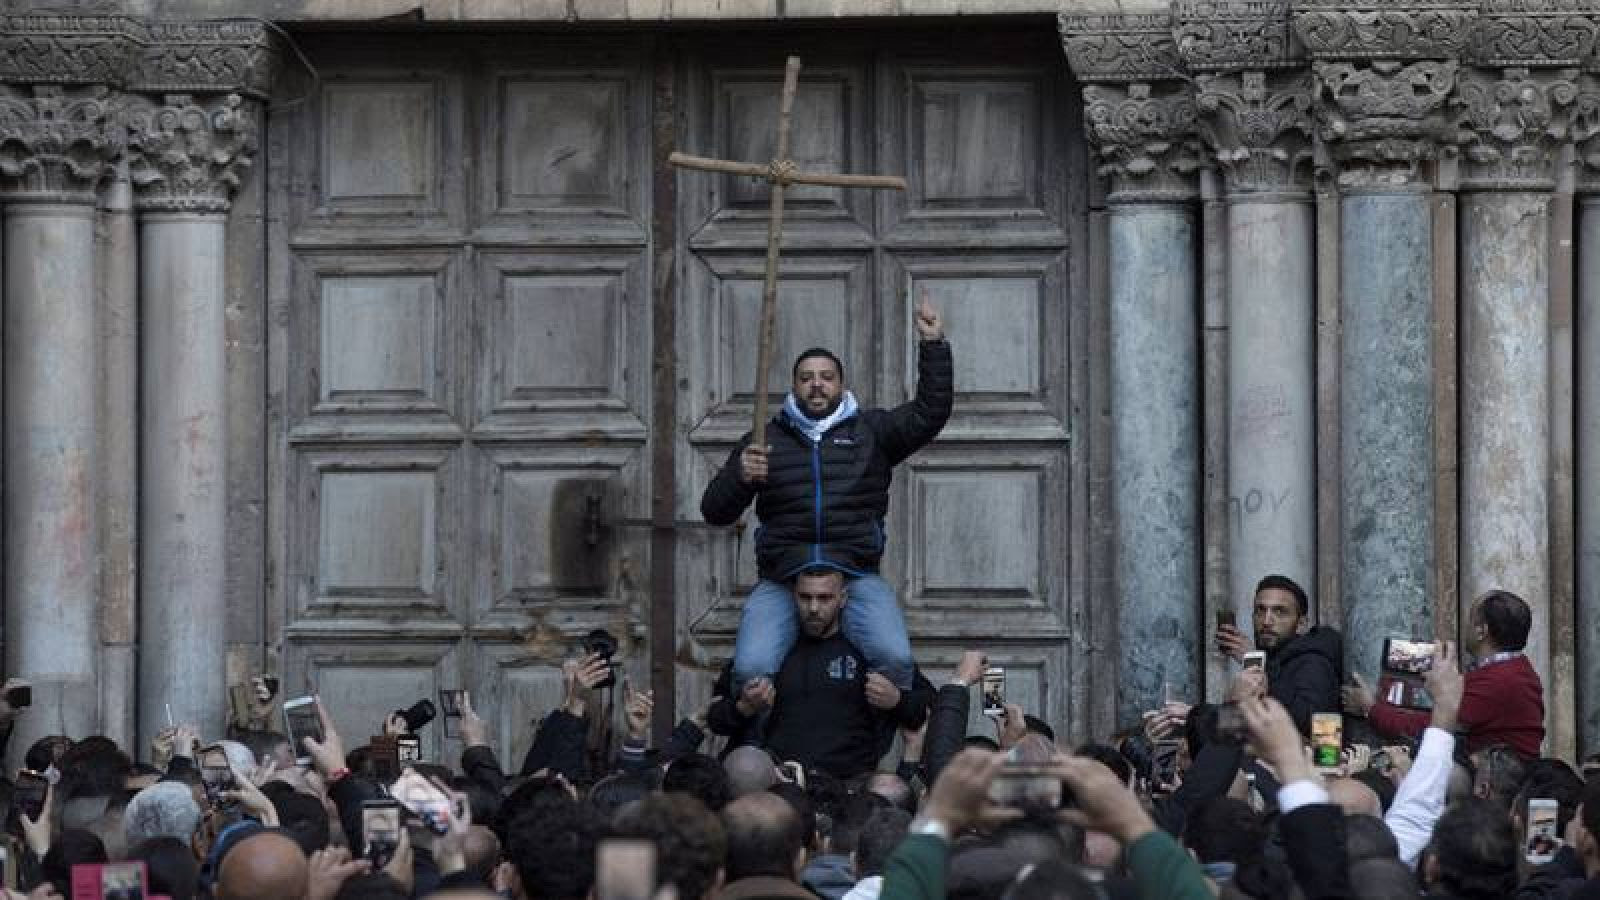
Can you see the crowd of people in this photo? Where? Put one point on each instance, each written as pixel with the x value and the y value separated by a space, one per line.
pixel 835 784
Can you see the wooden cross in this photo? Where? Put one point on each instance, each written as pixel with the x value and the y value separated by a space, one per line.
pixel 780 173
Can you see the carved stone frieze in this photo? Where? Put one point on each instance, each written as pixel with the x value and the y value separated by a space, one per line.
pixel 1146 139
pixel 1258 127
pixel 1120 47
pixel 1230 35
pixel 1512 125
pixel 186 154
pixel 1374 29
pixel 232 56
pixel 1381 118
pixel 67 48
pixel 1535 32
pixel 57 142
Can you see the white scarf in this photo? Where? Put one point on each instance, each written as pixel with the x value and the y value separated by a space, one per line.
pixel 816 428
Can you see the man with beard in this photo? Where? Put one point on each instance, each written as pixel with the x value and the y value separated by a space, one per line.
pixel 1304 664
pixel 819 476
pixel 825 709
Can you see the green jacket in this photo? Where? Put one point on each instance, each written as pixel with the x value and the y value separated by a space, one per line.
pixel 1161 869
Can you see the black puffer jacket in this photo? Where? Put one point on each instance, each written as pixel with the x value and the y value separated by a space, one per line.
pixel 824 504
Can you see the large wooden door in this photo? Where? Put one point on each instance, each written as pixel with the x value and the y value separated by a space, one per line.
pixel 979 546
pixel 462 272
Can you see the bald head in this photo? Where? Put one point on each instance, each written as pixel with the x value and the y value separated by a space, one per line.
pixel 1355 798
pixel 765 837
pixel 750 771
pixel 263 865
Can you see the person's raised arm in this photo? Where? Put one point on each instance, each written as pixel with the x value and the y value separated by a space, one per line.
pixel 478 759
pixel 916 868
pixel 947 721
pixel 1312 827
pixel 911 425
pixel 1420 798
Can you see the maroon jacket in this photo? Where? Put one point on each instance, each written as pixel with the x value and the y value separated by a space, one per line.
pixel 1502 703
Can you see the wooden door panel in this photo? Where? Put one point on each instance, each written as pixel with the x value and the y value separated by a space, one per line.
pixel 363 680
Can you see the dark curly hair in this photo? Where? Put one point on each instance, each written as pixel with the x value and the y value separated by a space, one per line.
pixel 1475 848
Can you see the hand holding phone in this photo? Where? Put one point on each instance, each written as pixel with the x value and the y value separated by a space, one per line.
pixel 1541 837
pixel 380 830
pixel 302 719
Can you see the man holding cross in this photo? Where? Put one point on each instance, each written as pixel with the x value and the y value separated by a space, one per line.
pixel 820 480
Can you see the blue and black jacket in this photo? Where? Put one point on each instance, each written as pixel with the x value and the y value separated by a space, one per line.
pixel 823 504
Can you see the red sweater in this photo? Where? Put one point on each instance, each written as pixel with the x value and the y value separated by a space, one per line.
pixel 1502 703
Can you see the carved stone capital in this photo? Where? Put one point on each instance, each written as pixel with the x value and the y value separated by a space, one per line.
pixel 186 154
pixel 1375 29
pixel 57 142
pixel 1120 47
pixel 1513 33
pixel 1511 127
pixel 1585 133
pixel 67 48
pixel 1145 135
pixel 1258 128
pixel 1230 35
pixel 1381 118
pixel 235 57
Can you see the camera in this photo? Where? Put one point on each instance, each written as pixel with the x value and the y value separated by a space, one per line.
pixel 421 713
pixel 603 644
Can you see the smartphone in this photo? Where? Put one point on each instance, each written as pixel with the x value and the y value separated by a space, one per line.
pixel 216 776
pixel 624 869
pixel 1255 659
pixel 20 697
pixel 109 881
pixel 452 702
pixel 408 748
pixel 385 755
pixel 301 719
pixel 1327 739
pixel 380 830
pixel 1408 657
pixel 1227 617
pixel 1163 766
pixel 421 713
pixel 792 772
pixel 1543 836
pixel 29 797
pixel 994 692
pixel 424 800
pixel 1018 785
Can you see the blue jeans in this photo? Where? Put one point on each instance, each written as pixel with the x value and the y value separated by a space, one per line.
pixel 872 622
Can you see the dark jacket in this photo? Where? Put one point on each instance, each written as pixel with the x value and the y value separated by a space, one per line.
pixel 1313 839
pixel 1209 777
pixel 823 504
pixel 947 729
pixel 1304 675
pixel 822 718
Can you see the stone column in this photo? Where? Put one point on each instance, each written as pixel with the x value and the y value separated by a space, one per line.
pixel 1380 119
pixel 1512 120
pixel 60 143
pixel 1586 130
pixel 119 459
pixel 185 155
pixel 1144 133
pixel 1258 127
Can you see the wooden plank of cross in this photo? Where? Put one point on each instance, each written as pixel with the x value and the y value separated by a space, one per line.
pixel 780 173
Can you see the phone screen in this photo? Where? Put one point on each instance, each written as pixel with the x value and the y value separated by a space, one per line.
pixel 1407 657
pixel 1018 785
pixel 994 691
pixel 625 869
pixel 30 794
pixel 216 775
pixel 1543 837
pixel 1163 765
pixel 451 702
pixel 425 800
pixel 300 717
pixel 1227 617
pixel 1255 659
pixel 1327 739
pixel 380 831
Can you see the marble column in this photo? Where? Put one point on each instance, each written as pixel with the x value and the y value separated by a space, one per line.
pixel 185 155
pixel 1144 134
pixel 1271 290
pixel 1587 387
pixel 1505 335
pixel 1386 399
pixel 62 140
